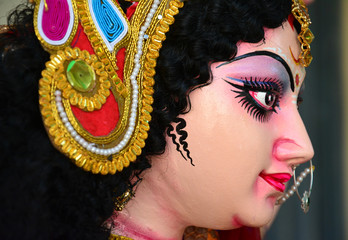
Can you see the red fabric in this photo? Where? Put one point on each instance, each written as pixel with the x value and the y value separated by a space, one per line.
pixel 81 41
pixel 131 10
pixel 100 122
pixel 120 62
pixel 243 233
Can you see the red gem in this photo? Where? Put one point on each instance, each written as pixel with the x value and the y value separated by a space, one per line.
pixel 297 80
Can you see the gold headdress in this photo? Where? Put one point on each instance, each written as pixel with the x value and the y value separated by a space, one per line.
pixel 300 12
pixel 96 91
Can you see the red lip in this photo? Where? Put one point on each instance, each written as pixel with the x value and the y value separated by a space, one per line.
pixel 276 180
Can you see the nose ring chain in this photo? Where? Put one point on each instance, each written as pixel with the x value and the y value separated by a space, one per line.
pixel 305 200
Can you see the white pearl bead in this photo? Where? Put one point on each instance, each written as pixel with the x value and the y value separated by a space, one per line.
pixel 64 119
pixel 104 152
pixel 57 93
pixel 70 128
pixel 58 98
pixel 308 170
pixel 132 124
pixel 283 199
pixel 293 188
pixel 147 22
pixel 291 192
pixel 297 183
pixel 303 174
pixel 60 108
pixel 300 179
pixel 134 82
pixel 89 147
pixel 62 114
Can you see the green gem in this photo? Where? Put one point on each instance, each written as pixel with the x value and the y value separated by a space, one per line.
pixel 81 76
pixel 308 58
pixel 309 36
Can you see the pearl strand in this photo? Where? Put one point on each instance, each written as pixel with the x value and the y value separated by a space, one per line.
pixel 294 187
pixel 134 107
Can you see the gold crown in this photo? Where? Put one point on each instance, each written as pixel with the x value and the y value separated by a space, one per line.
pixel 300 12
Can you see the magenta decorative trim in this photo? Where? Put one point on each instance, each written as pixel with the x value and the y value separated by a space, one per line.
pixel 55 21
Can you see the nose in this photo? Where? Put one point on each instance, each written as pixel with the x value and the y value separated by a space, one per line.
pixel 294 145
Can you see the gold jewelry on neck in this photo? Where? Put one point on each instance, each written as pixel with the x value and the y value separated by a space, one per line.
pixel 116 237
pixel 122 200
pixel 300 12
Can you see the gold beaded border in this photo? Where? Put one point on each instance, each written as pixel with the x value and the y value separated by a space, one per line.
pixel 53 48
pixel 100 48
pixel 138 140
pixel 300 12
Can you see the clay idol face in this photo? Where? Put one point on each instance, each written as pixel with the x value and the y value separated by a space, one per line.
pixel 244 133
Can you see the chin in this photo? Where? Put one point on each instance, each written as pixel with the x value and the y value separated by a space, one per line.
pixel 259 217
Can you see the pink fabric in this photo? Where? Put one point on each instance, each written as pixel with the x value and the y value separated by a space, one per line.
pixel 55 21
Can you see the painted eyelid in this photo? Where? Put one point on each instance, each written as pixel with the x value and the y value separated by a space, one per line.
pixel 262 84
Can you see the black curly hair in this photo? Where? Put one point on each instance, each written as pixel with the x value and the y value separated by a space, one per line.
pixel 45 196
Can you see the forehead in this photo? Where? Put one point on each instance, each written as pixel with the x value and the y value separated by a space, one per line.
pixel 281 41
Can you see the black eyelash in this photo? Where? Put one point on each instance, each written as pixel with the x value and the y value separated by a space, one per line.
pixel 258 84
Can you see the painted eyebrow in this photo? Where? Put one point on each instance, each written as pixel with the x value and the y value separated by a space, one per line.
pixel 269 54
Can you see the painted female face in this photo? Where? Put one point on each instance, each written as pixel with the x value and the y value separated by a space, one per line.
pixel 244 134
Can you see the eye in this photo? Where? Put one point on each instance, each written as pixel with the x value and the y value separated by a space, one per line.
pixel 266 100
pixel 259 97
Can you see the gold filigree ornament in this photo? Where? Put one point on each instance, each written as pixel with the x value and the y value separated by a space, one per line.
pixel 77 80
pixel 300 12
